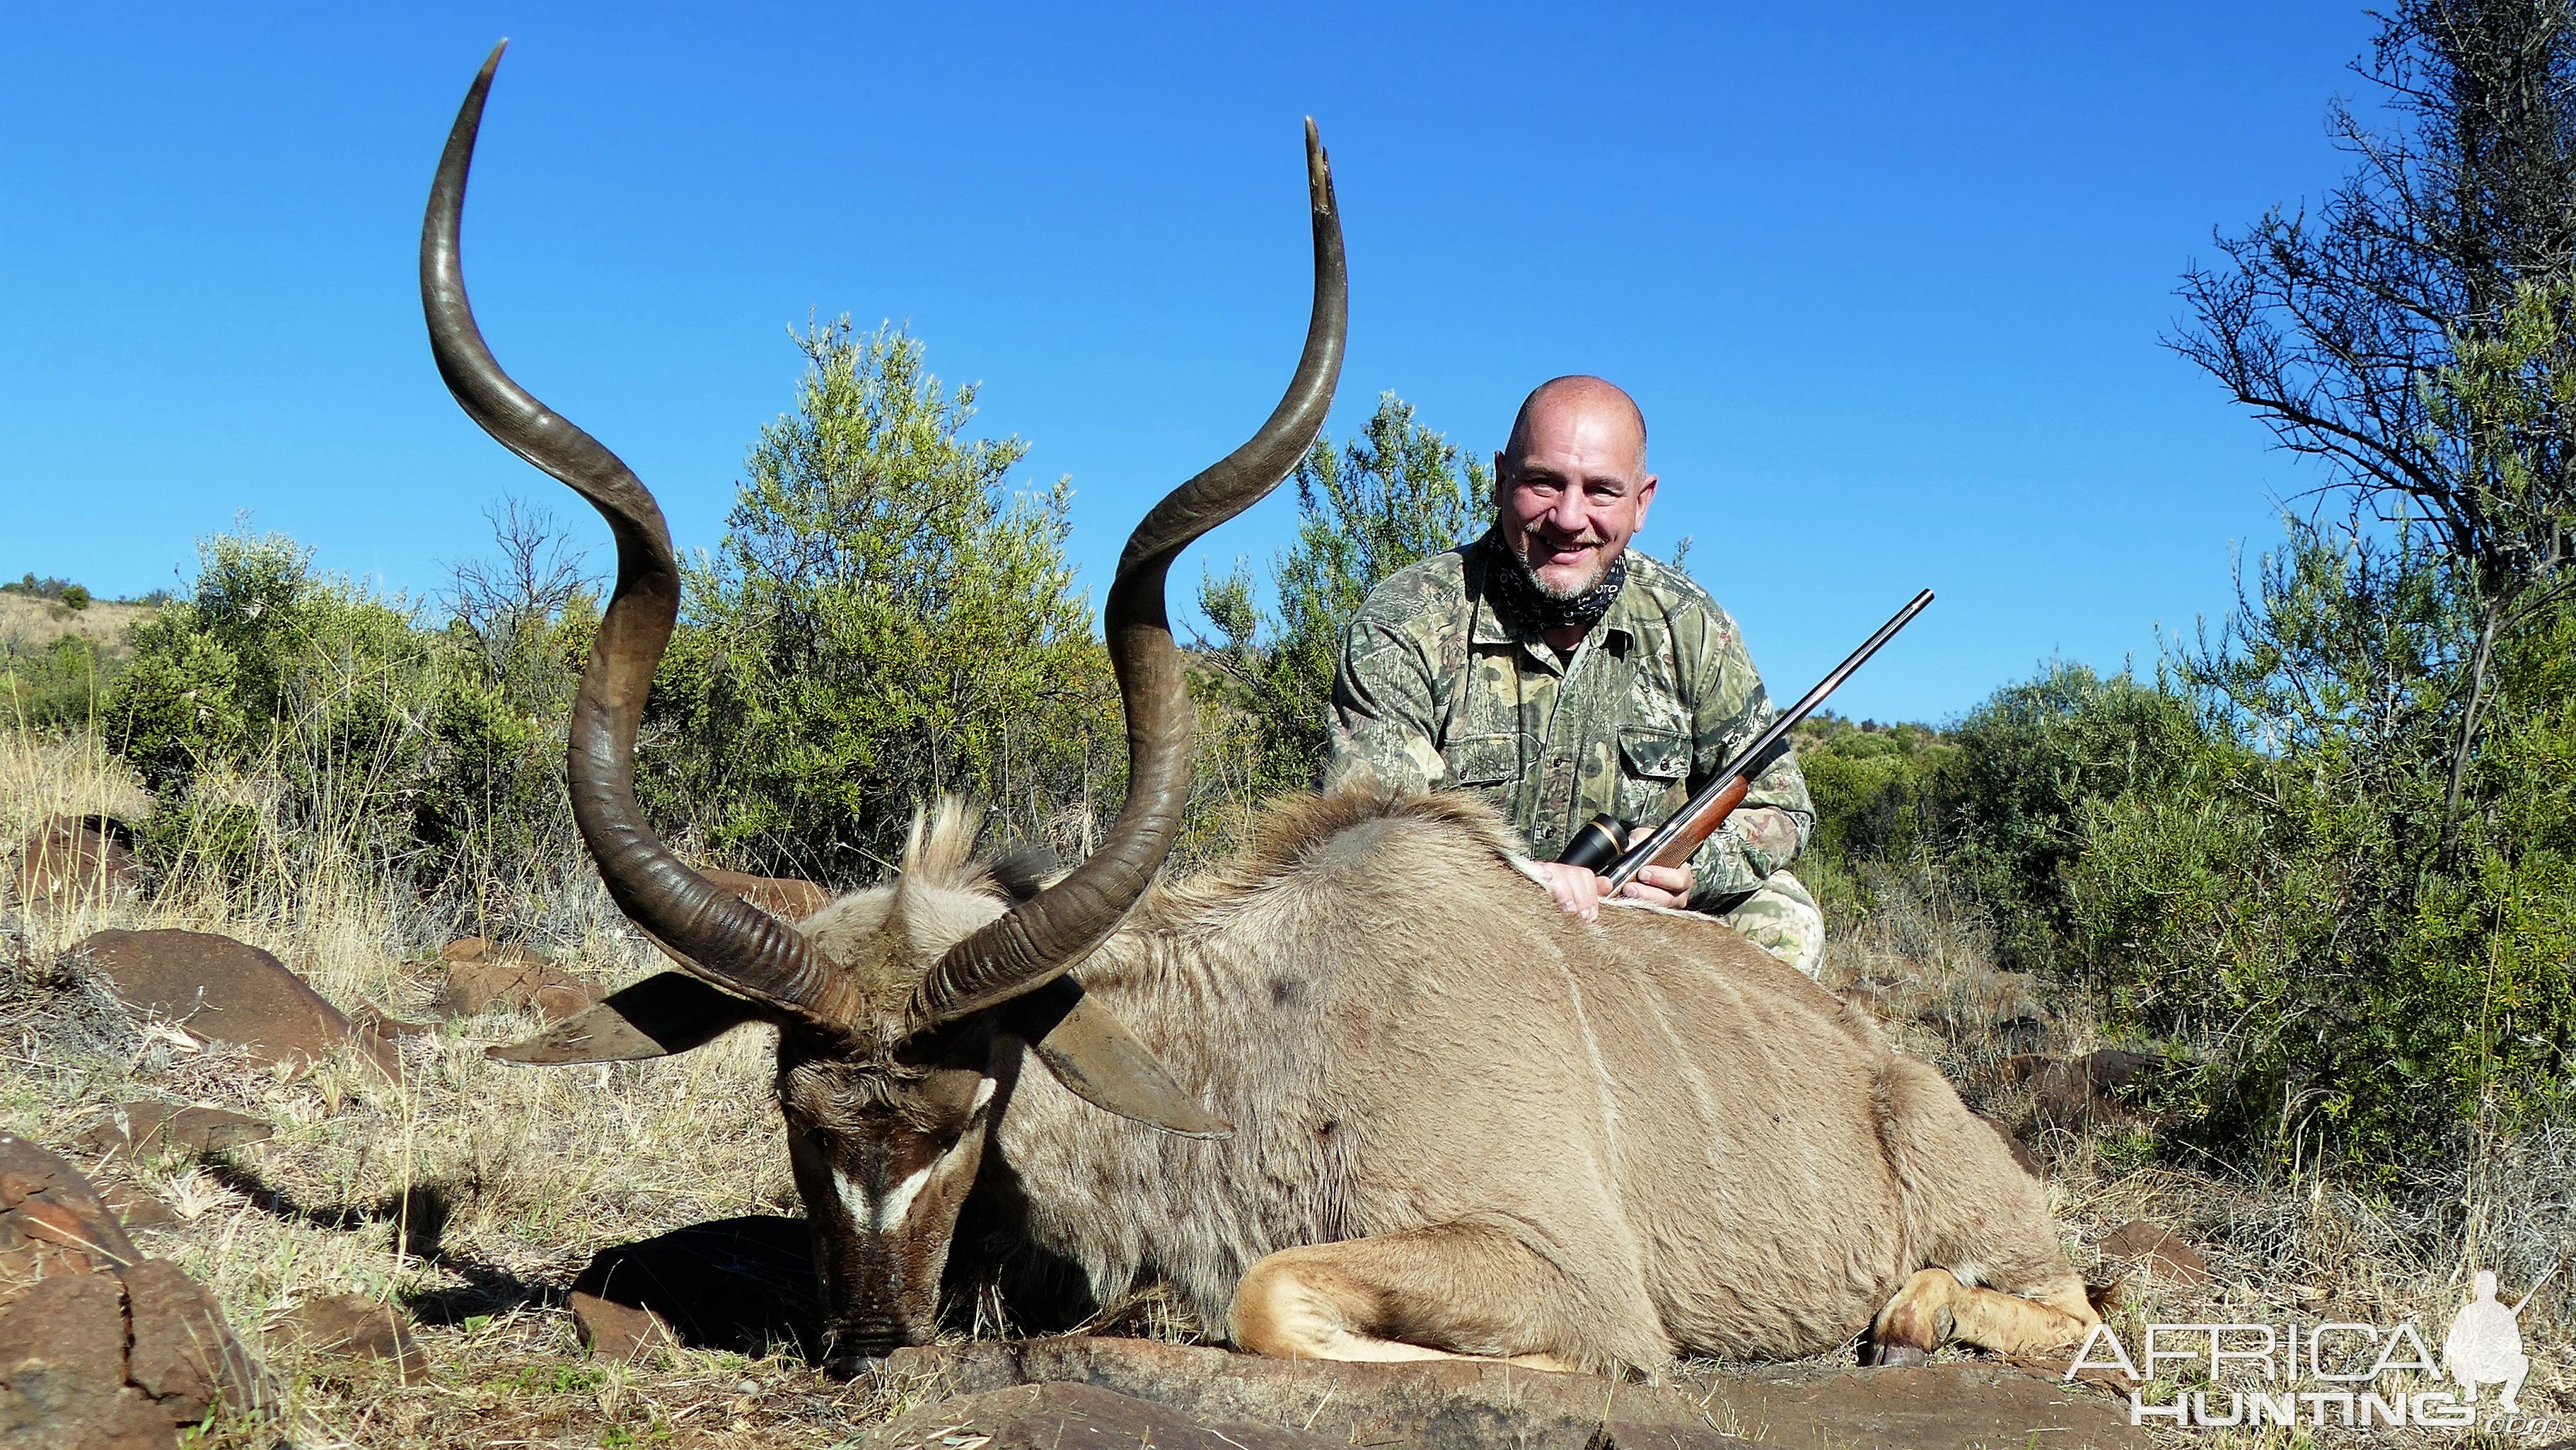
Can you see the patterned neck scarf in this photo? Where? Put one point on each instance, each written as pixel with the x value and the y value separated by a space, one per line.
pixel 1508 581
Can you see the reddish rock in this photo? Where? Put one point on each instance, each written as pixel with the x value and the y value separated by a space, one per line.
pixel 2081 1092
pixel 351 1326
pixel 228 991
pixel 783 897
pixel 1046 1416
pixel 98 1345
pixel 480 976
pixel 145 1130
pixel 74 861
pixel 614 1331
pixel 2020 1151
pixel 741 1284
pixel 386 1026
pixel 1441 1404
pixel 134 1205
pixel 2157 1250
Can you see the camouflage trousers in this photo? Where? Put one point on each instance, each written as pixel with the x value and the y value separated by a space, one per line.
pixel 1782 919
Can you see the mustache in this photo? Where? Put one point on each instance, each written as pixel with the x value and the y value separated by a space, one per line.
pixel 1536 532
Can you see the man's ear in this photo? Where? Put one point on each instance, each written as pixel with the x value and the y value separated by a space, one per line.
pixel 657 1017
pixel 1645 499
pixel 1099 1061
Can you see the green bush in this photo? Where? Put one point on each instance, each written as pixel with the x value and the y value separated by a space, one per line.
pixel 883 621
pixel 55 685
pixel 277 710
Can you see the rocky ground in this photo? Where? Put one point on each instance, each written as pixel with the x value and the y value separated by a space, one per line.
pixel 258 1181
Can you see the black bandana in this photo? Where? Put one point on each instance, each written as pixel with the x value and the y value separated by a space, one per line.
pixel 1508 583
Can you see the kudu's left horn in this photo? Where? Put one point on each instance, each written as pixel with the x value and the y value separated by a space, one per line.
pixel 715 933
pixel 1045 936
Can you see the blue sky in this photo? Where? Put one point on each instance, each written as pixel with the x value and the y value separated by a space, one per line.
pixel 1888 280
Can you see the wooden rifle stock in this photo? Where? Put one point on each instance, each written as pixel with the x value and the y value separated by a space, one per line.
pixel 1673 842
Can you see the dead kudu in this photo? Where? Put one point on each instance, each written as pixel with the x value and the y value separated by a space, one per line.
pixel 1462 1122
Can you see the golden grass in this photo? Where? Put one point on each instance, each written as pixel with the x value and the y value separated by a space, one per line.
pixel 30 623
pixel 472 1193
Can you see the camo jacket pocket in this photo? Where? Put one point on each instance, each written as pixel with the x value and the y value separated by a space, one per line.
pixel 1483 760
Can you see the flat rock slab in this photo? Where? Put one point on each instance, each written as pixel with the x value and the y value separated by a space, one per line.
pixel 228 991
pixel 741 1284
pixel 74 861
pixel 350 1326
pixel 1050 1416
pixel 146 1130
pixel 2144 1245
pixel 481 976
pixel 100 1346
pixel 783 897
pixel 1439 1404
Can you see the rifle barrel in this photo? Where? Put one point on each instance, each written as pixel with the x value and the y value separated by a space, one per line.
pixel 1752 759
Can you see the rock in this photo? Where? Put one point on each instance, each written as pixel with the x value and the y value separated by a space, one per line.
pixel 385 1025
pixel 228 991
pixel 146 1130
pixel 1462 1403
pixel 2081 1092
pixel 74 861
pixel 100 1346
pixel 2157 1250
pixel 783 897
pixel 134 1205
pixel 480 975
pixel 351 1326
pixel 1045 1416
pixel 614 1331
pixel 741 1284
pixel 2020 1151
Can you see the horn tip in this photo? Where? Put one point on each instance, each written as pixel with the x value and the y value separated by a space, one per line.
pixel 492 62
pixel 1319 168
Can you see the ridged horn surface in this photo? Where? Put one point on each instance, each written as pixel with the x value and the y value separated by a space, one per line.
pixel 1048 934
pixel 722 937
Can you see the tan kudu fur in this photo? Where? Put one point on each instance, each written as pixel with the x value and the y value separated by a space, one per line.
pixel 1468 1122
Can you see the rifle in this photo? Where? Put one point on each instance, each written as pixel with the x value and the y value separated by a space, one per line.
pixel 1672 843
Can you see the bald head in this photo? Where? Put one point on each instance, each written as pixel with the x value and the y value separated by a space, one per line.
pixel 1578 398
pixel 1571 488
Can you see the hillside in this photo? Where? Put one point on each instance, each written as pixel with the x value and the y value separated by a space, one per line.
pixel 28 624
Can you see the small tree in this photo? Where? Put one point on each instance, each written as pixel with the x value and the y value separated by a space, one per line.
pixel 883 621
pixel 1397 494
pixel 2413 339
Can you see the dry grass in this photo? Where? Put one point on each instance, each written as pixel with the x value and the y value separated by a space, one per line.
pixel 471 1194
pixel 29 623
pixel 2282 1248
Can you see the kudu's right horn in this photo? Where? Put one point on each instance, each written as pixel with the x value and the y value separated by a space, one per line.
pixel 715 933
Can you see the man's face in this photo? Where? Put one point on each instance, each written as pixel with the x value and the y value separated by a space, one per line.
pixel 1577 493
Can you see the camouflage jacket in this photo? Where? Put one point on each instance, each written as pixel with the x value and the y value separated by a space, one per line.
pixel 1437 690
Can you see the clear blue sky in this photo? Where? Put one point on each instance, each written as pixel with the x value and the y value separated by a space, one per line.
pixel 1887 279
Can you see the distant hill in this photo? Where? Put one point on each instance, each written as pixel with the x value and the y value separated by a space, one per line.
pixel 28 624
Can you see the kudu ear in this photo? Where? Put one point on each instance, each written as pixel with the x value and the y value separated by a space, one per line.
pixel 658 1017
pixel 1099 1061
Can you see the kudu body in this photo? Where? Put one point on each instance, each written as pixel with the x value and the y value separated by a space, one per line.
pixel 1362 1093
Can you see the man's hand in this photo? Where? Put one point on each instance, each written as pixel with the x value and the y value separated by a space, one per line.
pixel 1579 891
pixel 1661 886
pixel 1575 888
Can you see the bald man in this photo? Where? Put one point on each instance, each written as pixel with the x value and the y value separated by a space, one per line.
pixel 1553 671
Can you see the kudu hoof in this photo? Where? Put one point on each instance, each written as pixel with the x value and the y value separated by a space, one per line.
pixel 1891 1356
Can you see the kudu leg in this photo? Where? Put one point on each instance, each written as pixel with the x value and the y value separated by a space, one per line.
pixel 1934 1307
pixel 1452 1291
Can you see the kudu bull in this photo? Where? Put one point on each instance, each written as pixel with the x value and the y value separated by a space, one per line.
pixel 1463 1122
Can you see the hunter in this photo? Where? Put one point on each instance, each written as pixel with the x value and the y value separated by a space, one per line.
pixel 1553 671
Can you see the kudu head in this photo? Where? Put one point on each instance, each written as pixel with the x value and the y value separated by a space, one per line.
pixel 896 1016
